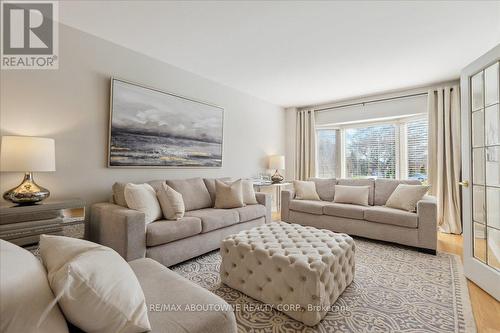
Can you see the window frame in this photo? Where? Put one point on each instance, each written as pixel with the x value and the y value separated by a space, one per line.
pixel 401 141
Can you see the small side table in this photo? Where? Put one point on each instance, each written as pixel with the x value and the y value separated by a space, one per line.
pixel 277 187
pixel 23 225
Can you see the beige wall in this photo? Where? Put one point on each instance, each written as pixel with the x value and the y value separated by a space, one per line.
pixel 71 105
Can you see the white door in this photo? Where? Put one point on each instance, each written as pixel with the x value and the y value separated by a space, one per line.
pixel 480 90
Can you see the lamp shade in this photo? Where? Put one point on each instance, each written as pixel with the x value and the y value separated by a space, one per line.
pixel 27 154
pixel 277 162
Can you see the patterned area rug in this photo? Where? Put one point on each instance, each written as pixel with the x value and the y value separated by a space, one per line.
pixel 395 289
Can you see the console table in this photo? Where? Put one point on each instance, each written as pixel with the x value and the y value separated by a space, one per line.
pixel 23 224
pixel 276 187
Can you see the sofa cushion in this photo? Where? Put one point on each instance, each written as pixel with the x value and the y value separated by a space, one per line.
pixel 213 218
pixel 119 194
pixel 162 286
pixel 251 212
pixel 325 188
pixel 26 294
pixel 228 195
pixel 393 216
pixel 210 184
pixel 345 210
pixel 360 182
pixel 194 192
pixel 385 187
pixel 308 206
pixel 98 290
pixel 166 231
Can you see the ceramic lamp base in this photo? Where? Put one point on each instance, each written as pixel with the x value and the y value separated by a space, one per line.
pixel 277 178
pixel 27 193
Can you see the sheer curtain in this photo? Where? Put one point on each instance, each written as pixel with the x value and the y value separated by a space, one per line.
pixel 445 156
pixel 306 145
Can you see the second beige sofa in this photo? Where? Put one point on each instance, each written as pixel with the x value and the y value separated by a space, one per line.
pixel 170 242
pixel 417 229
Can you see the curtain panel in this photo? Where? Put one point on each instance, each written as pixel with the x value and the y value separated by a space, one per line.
pixel 306 145
pixel 445 156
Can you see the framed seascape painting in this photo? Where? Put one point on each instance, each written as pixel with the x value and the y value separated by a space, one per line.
pixel 153 128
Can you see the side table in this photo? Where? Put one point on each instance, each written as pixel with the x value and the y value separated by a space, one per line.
pixel 276 187
pixel 23 224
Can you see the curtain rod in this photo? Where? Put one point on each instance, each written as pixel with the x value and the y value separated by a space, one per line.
pixel 368 102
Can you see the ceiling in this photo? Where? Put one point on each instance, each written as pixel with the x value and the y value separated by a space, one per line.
pixel 300 52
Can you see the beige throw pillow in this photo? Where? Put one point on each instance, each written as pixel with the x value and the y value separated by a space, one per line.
pixel 405 197
pixel 97 290
pixel 142 197
pixel 355 195
pixel 171 203
pixel 248 193
pixel 26 297
pixel 228 195
pixel 305 190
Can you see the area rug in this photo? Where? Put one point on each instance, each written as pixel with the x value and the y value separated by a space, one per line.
pixel 395 289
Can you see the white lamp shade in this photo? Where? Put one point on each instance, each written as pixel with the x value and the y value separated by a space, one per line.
pixel 277 162
pixel 27 154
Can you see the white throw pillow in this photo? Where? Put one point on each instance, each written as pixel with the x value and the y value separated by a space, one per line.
pixel 305 190
pixel 355 195
pixel 171 202
pixel 228 195
pixel 248 193
pixel 26 294
pixel 97 290
pixel 405 197
pixel 142 197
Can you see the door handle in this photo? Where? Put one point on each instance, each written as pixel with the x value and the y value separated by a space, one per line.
pixel 464 183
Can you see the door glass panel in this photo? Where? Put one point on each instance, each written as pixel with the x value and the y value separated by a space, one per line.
pixel 494 248
pixel 491 84
pixel 477 91
pixel 480 241
pixel 479 201
pixel 478 128
pixel 492 125
pixel 493 207
pixel 493 166
pixel 478 166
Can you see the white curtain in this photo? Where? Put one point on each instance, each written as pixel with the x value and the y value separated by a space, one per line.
pixel 445 156
pixel 306 145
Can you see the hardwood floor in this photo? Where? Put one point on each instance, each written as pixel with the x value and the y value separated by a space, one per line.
pixel 486 309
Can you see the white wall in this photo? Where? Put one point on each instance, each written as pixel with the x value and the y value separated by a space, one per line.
pixel 71 104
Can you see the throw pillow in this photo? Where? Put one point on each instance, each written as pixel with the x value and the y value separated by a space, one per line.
pixel 97 289
pixel 142 197
pixel 305 190
pixel 171 203
pixel 405 197
pixel 26 294
pixel 355 195
pixel 228 195
pixel 248 193
pixel 119 194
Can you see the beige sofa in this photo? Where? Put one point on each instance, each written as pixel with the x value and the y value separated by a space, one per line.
pixel 161 286
pixel 417 229
pixel 170 242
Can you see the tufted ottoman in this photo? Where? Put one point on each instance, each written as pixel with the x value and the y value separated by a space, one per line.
pixel 300 270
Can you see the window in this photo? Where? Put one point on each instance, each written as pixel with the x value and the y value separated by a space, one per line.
pixel 395 149
pixel 417 149
pixel 327 153
pixel 370 151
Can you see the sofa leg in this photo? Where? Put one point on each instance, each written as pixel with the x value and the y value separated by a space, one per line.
pixel 428 251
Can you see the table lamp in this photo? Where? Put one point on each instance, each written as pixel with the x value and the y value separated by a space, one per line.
pixel 27 154
pixel 277 162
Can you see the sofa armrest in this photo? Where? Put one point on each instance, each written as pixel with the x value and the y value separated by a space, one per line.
pixel 120 228
pixel 266 200
pixel 286 197
pixel 427 222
